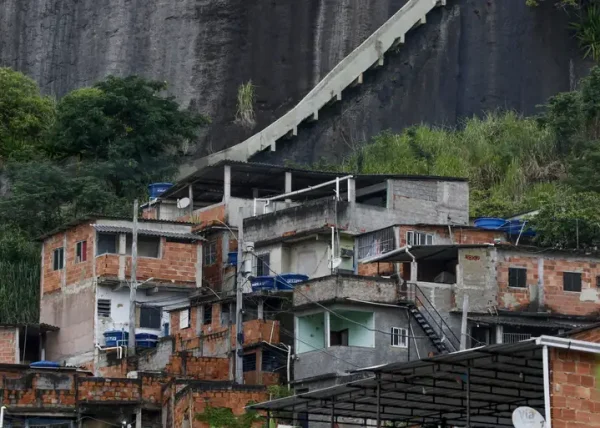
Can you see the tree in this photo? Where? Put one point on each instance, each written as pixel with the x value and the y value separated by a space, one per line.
pixel 125 127
pixel 569 220
pixel 25 116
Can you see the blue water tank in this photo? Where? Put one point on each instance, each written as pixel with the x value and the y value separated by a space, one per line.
pixel 146 340
pixel 156 189
pixel 490 223
pixel 262 283
pixel 232 258
pixel 287 281
pixel 116 338
pixel 45 365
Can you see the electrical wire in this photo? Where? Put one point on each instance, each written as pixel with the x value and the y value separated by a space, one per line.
pixel 331 311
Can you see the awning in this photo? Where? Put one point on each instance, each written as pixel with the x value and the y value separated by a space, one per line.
pixel 482 386
pixel 147 232
pixel 420 253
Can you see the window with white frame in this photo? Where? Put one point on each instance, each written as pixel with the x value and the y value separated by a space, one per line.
pixel 184 318
pixel 210 252
pixel 418 238
pixel 399 337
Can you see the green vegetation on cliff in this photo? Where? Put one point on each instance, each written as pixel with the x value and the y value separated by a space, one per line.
pixel 93 151
pixel 514 164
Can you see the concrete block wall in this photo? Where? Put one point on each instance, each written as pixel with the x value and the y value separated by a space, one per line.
pixel 50 390
pixel 430 201
pixel 158 358
pixel 476 276
pixel 346 286
pixel 9 345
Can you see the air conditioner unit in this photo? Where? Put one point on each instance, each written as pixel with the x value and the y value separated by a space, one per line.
pixel 347 253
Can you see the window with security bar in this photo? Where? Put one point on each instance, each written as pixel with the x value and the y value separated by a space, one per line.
pixel 414 238
pixel 375 243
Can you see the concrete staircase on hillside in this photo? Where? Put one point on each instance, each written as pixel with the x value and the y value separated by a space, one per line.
pixel 348 72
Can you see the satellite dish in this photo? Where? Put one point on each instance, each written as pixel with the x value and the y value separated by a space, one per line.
pixel 335 263
pixel 183 203
pixel 526 417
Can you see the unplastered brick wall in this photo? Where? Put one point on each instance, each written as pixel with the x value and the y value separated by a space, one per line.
pixel 550 291
pixel 9 345
pixel 198 368
pixel 575 395
pixel 460 235
pixel 74 271
pixel 48 390
pixel 178 263
pixel 92 390
pixel 200 395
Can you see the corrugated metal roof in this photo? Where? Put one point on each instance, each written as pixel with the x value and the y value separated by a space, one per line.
pixel 122 229
pixel 529 321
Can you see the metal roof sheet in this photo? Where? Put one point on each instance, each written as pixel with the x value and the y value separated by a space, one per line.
pixel 123 229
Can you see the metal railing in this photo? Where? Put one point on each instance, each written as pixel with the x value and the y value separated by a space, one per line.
pixel 376 243
pixel 515 337
pixel 433 317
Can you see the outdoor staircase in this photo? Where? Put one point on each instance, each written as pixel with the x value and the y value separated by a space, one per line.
pixel 429 331
pixel 348 73
pixel 431 321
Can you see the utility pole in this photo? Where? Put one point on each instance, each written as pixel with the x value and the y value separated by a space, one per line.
pixel 239 299
pixel 133 283
pixel 463 324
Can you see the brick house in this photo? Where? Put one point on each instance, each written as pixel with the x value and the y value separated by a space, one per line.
pixel 84 283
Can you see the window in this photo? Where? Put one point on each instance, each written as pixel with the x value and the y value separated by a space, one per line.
pixel 249 362
pixel 150 317
pixel 418 238
pixel 598 282
pixel 338 338
pixel 58 258
pixel 263 261
pixel 184 318
pixel 399 337
pixel 225 314
pixel 271 361
pixel 148 246
pixel 207 314
pixel 375 243
pixel 572 281
pixel 107 243
pixel 517 277
pixel 103 307
pixel 81 252
pixel 210 252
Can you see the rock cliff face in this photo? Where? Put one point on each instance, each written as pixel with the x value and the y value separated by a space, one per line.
pixel 204 48
pixel 472 56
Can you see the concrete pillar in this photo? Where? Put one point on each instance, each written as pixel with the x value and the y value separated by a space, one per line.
pixel 138 417
pixel 199 265
pixel 191 198
pixel 413 271
pixel 351 190
pixel 541 291
pixel 499 334
pixel 327 330
pixel 261 309
pixel 122 255
pixel 227 183
pixel 63 272
pixel 288 185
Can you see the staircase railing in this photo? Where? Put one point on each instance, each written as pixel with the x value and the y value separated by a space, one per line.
pixel 435 319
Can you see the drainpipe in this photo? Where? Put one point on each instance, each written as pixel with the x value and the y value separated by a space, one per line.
pixel 547 406
pixel 2 410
